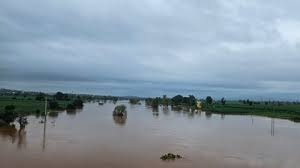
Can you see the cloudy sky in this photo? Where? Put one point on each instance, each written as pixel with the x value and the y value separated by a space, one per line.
pixel 231 48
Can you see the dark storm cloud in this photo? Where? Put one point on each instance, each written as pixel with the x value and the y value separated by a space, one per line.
pixel 233 47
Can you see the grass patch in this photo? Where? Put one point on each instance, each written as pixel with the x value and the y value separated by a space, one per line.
pixel 283 111
pixel 27 105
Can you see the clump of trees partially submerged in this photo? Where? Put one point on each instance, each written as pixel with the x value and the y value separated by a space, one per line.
pixel 72 104
pixel 134 101
pixel 177 101
pixel 120 115
pixel 26 103
pixel 120 110
pixel 9 115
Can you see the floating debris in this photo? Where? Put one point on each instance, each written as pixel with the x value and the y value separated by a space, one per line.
pixel 170 156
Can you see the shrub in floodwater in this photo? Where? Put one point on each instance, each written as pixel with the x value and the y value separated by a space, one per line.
pixel 134 101
pixel 78 103
pixel 53 114
pixel 120 110
pixel 71 107
pixel 170 156
pixel 8 115
pixel 53 105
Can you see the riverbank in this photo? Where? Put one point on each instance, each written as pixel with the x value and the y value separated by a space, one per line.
pixel 288 111
pixel 28 105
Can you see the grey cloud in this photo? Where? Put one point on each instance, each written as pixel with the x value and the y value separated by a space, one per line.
pixel 233 47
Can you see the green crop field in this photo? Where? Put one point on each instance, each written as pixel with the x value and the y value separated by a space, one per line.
pixel 26 105
pixel 284 111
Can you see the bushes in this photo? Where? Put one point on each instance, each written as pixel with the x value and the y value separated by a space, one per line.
pixel 120 110
pixel 40 97
pixel 78 103
pixel 8 115
pixel 134 101
pixel 61 96
pixel 53 105
pixel 209 100
pixel 71 107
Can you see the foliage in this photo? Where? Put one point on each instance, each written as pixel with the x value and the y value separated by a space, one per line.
pixel 71 106
pixel 61 96
pixel 53 105
pixel 78 103
pixel 155 103
pixel 40 97
pixel 177 100
pixel 120 110
pixel 165 100
pixel 209 100
pixel 8 115
pixel 189 101
pixel 134 101
pixel 223 101
pixel 9 108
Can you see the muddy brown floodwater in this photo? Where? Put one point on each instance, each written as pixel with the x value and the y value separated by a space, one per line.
pixel 93 138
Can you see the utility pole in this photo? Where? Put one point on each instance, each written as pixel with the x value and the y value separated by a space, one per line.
pixel 45 117
pixel 45 122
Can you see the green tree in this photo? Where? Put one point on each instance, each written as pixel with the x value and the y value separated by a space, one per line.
pixel 78 103
pixel 61 96
pixel 134 101
pixel 177 100
pixel 165 100
pixel 8 115
pixel 53 105
pixel 209 100
pixel 192 100
pixel 40 97
pixel 155 102
pixel 223 101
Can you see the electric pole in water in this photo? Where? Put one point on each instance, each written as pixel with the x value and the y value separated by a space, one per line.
pixel 45 110
pixel 45 122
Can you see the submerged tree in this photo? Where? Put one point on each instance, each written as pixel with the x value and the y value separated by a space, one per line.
pixel 53 105
pixel 134 101
pixel 120 110
pixel 78 103
pixel 8 115
pixel 155 103
pixel 177 100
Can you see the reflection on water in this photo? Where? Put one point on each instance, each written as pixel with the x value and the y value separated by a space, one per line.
pixel 71 112
pixel 222 116
pixel 11 134
pixel 208 115
pixel 120 120
pixel 44 134
pixel 166 110
pixel 205 140
pixel 272 127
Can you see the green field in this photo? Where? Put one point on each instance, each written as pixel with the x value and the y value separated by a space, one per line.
pixel 29 105
pixel 26 105
pixel 284 111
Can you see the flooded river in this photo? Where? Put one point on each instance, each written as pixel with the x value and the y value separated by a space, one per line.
pixel 93 138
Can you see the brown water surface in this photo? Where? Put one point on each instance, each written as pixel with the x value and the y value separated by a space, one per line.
pixel 93 138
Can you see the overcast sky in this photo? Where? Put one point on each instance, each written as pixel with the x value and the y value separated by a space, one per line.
pixel 231 48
